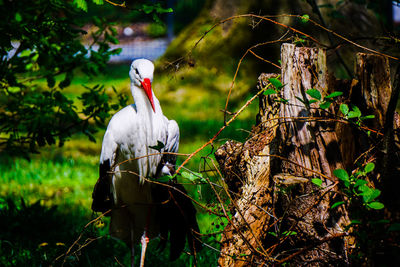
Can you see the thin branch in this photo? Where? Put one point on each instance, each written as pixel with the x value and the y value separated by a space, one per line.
pixel 222 128
pixel 123 4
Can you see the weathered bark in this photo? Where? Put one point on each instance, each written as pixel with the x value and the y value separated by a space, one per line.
pixel 310 144
pixel 379 98
pixel 278 214
pixel 248 172
pixel 307 140
pixel 373 74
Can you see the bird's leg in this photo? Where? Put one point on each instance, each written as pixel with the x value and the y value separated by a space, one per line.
pixel 144 240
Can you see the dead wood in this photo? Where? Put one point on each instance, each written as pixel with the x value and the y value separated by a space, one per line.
pixel 281 213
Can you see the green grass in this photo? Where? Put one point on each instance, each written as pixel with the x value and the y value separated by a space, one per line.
pixel 44 205
pixel 45 202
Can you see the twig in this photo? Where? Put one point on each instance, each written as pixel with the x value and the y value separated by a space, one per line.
pixel 240 63
pixel 222 128
pixel 319 242
pixel 79 237
pixel 123 4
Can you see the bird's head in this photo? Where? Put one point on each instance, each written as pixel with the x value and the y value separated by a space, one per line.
pixel 141 74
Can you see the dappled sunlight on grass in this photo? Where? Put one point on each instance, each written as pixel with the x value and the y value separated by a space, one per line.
pixel 65 182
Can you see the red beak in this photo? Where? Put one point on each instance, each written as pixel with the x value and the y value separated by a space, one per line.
pixel 146 84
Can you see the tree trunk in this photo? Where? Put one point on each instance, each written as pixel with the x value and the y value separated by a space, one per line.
pixel 279 215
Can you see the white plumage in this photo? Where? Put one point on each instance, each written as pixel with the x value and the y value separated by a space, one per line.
pixel 127 159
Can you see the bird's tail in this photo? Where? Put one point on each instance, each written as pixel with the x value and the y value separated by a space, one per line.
pixel 178 219
pixel 102 198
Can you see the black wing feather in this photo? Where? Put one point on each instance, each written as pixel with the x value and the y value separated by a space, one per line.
pixel 102 198
pixel 177 217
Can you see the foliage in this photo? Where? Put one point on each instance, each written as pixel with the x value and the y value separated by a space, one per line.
pixel 324 103
pixel 356 187
pixel 156 30
pixel 354 113
pixel 42 40
pixel 368 227
pixel 144 10
pixel 155 9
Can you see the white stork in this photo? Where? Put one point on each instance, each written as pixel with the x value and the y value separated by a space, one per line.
pixel 141 210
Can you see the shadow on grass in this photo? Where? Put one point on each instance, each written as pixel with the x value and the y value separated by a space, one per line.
pixel 37 235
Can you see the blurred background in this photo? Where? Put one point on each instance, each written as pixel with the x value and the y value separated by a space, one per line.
pixel 46 185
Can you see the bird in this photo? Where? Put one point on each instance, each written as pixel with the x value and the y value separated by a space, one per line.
pixel 140 146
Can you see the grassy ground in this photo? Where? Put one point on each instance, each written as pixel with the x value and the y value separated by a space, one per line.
pixel 45 202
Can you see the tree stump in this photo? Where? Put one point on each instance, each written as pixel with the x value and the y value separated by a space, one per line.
pixel 279 215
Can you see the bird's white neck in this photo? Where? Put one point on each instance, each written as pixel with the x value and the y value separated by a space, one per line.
pixel 143 106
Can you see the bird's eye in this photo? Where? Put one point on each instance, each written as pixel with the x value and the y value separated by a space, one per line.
pixel 137 72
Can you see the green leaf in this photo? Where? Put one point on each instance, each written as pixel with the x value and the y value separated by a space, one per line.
pixel 165 178
pixel 25 53
pixel 14 89
pixel 98 2
pixel 367 117
pixel 312 101
pixel 336 204
pixel 287 233
pixel 192 176
pixel 18 17
pixel 147 8
pixel 164 10
pixel 356 109
pixel 341 174
pixel 160 145
pixel 355 222
pixel 116 51
pixel 316 181
pixel 344 109
pixel 81 4
pixel 369 167
pixel 159 9
pixel 35 57
pixel 270 91
pixel 371 194
pixel 334 94
pixel 273 234
pixel 360 182
pixel 376 205
pixel 325 104
pixel 305 18
pixel 355 113
pixel 314 93
pixel 111 38
pixel 276 83
pixel 364 189
pixel 299 41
